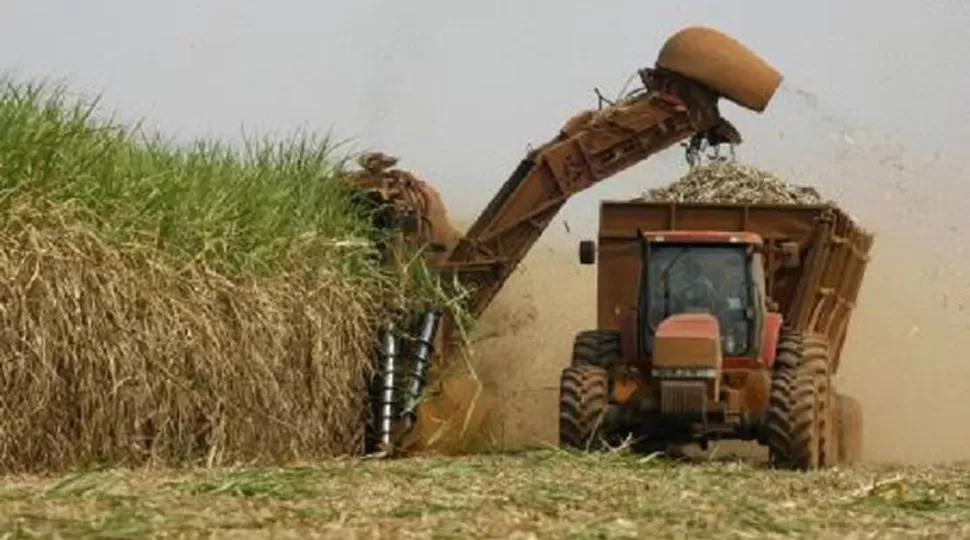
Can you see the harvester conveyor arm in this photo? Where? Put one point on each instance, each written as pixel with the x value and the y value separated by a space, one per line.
pixel 590 148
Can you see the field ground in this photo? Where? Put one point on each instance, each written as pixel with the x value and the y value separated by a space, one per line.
pixel 534 494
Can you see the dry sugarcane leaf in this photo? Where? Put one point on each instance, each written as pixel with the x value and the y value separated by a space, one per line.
pixel 732 182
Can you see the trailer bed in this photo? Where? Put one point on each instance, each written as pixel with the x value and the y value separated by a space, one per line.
pixel 827 252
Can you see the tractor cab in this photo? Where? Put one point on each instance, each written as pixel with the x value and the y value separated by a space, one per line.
pixel 714 273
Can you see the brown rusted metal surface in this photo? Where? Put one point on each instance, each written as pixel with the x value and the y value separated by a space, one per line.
pixel 624 387
pixel 723 64
pixel 755 391
pixel 701 237
pixel 817 295
pixel 407 193
pixel 688 340
pixel 769 340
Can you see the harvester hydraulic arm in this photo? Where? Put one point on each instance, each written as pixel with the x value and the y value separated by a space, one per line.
pixel 591 147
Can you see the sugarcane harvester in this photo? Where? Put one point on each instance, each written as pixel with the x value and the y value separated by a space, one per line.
pixel 677 103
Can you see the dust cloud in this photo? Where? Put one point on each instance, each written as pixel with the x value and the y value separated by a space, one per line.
pixel 906 358
pixel 905 355
pixel 525 338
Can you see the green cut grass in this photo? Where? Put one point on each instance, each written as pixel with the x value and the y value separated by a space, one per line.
pixel 536 494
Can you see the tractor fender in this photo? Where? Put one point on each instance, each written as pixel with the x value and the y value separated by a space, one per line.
pixel 769 341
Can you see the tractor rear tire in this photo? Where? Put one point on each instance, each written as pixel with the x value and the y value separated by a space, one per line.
pixel 583 402
pixel 848 414
pixel 799 420
pixel 600 348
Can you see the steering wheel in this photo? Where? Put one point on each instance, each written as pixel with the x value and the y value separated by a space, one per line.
pixel 700 294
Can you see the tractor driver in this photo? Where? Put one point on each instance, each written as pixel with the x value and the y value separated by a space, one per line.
pixel 719 290
pixel 697 292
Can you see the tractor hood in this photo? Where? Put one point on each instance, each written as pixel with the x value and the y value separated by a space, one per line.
pixel 688 341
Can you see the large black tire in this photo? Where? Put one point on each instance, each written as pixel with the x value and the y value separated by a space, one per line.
pixel 798 423
pixel 815 402
pixel 583 401
pixel 848 429
pixel 600 348
pixel 777 421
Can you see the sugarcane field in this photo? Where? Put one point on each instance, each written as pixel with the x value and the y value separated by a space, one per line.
pixel 437 271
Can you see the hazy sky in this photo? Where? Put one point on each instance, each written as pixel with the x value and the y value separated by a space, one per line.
pixel 459 89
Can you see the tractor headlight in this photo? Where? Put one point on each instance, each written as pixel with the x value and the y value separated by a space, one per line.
pixel 684 373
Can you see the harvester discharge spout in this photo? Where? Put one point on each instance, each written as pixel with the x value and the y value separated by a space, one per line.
pixel 721 63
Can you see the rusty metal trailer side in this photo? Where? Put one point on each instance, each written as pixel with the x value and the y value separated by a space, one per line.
pixel 816 291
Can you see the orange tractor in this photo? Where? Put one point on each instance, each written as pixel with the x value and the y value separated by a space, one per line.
pixel 719 321
pixel 678 103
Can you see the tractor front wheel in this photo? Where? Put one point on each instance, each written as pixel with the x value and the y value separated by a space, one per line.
pixel 583 401
pixel 600 348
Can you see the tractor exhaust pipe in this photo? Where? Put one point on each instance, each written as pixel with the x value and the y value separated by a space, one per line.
pixel 390 348
pixel 422 352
